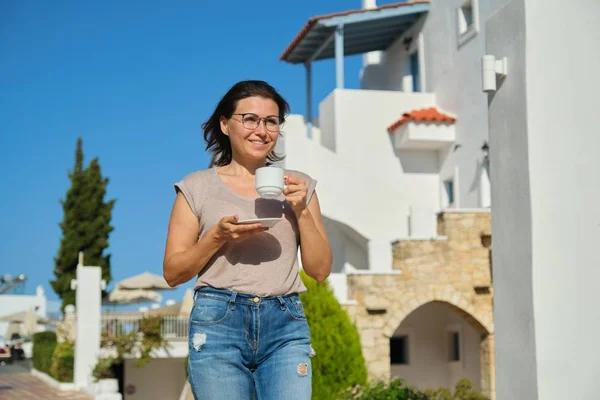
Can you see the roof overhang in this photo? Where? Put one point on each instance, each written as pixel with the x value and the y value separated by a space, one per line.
pixel 365 30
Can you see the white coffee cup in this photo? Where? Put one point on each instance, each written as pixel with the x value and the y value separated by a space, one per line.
pixel 269 182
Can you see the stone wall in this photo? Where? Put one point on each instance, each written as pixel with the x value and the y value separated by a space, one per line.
pixel 454 269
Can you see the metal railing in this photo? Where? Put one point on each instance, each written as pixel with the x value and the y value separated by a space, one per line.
pixel 173 327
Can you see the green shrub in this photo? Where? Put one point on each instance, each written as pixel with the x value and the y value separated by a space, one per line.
pixel 463 390
pixel 104 369
pixel 44 344
pixel 140 343
pixel 338 362
pixel 63 362
pixel 397 389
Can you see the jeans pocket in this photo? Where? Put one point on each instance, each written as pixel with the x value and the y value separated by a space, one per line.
pixel 295 308
pixel 209 311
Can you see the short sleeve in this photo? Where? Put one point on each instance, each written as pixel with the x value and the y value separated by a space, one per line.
pixel 188 187
pixel 311 183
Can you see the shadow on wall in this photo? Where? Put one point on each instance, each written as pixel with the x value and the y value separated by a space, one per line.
pixel 349 248
pixel 418 161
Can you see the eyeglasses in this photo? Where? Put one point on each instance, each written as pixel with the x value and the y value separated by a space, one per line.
pixel 252 121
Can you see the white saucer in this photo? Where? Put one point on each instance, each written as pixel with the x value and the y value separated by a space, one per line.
pixel 266 222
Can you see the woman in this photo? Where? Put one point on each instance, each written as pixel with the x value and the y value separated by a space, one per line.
pixel 248 331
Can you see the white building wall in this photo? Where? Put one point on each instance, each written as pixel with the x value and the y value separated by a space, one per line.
pixel 396 61
pixel 453 74
pixel 362 118
pixel 365 173
pixel 429 367
pixel 544 167
pixel 14 303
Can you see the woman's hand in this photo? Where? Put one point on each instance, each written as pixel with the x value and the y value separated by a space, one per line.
pixel 295 193
pixel 228 231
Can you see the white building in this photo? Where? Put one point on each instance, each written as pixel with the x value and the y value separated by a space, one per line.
pixel 413 165
pixel 544 167
pixel 12 304
pixel 412 144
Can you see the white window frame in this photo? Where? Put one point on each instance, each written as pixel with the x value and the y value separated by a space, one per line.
pixel 465 33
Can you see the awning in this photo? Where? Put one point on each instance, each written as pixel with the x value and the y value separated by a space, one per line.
pixel 365 30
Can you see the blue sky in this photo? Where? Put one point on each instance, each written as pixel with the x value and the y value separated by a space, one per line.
pixel 135 80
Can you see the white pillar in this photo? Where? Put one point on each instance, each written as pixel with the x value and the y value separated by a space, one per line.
pixel 373 57
pixel 88 287
pixel 368 4
pixel 309 117
pixel 339 57
pixel 42 302
pixel 485 194
pixel 380 255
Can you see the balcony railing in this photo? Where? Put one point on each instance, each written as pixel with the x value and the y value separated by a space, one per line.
pixel 173 327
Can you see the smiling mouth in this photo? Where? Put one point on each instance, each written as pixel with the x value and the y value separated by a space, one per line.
pixel 259 142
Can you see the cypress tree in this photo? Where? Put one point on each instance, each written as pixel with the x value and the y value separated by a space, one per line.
pixel 85 226
pixel 338 362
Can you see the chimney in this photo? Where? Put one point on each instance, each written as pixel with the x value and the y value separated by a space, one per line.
pixel 367 4
pixel 373 57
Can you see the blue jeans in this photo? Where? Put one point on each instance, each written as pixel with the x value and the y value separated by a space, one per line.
pixel 244 347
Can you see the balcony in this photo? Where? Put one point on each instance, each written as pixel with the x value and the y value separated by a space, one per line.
pixel 425 129
pixel 351 32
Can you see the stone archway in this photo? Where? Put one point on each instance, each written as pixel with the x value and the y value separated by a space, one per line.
pixel 458 303
pixel 454 269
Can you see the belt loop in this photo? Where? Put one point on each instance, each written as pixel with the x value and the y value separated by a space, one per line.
pixel 281 302
pixel 232 299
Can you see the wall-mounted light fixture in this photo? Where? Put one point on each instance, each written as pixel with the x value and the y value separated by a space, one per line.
pixel 486 149
pixel 407 42
pixel 490 69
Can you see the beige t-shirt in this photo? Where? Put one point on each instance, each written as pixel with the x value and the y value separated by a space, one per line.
pixel 265 264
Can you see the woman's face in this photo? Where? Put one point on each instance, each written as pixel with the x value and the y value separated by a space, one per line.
pixel 253 128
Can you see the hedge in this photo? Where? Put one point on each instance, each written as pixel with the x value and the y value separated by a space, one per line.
pixel 63 362
pixel 44 344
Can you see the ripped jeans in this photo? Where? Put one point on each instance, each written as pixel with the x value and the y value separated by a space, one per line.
pixel 244 347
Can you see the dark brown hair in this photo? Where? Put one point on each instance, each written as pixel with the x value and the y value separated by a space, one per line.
pixel 216 141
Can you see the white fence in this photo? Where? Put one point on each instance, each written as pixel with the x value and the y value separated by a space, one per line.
pixel 173 327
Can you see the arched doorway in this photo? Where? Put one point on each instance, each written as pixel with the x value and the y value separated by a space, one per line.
pixel 437 343
pixel 435 346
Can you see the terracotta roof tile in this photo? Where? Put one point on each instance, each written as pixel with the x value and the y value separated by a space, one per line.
pixel 317 18
pixel 431 114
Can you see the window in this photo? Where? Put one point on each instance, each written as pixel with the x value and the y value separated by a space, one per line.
pixel 465 17
pixel 453 346
pixel 449 186
pixel 414 71
pixel 468 21
pixel 399 350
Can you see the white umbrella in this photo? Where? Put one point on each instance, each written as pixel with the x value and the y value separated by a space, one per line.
pixel 145 280
pixel 134 296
